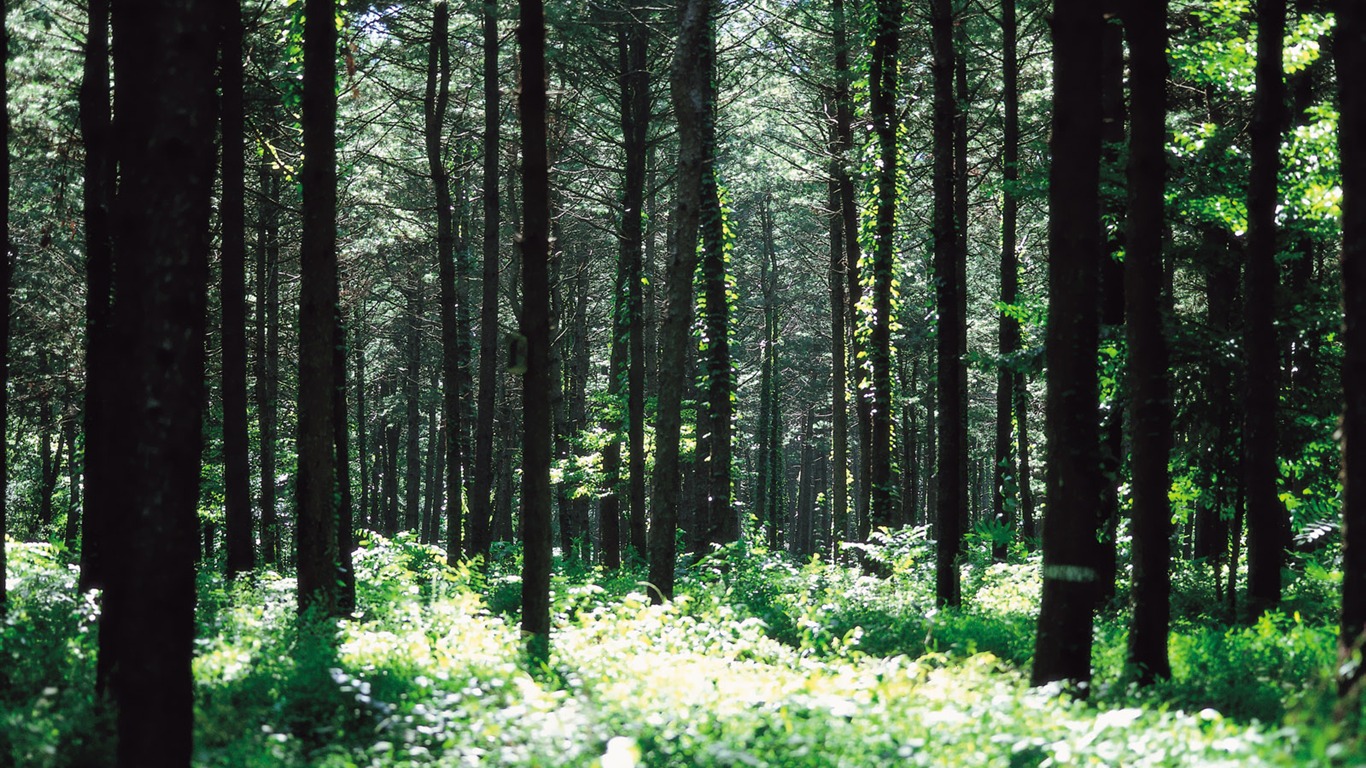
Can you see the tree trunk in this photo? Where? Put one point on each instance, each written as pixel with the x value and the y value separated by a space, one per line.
pixel 268 352
pixel 1268 528
pixel 687 74
pixel 537 418
pixel 346 534
pixel 844 265
pixel 1350 52
pixel 163 66
pixel 412 388
pixel 883 86
pixel 1003 506
pixel 232 218
pixel 721 523
pixel 362 449
pixel 97 195
pixel 1066 614
pixel 1111 301
pixel 73 468
pixel 766 508
pixel 951 479
pixel 481 509
pixel 1150 418
pixel 636 83
pixel 315 484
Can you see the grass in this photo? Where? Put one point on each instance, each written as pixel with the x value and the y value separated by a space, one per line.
pixel 759 662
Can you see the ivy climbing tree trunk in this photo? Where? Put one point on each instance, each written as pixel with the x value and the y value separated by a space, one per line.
pixel 537 416
pixel 1066 614
pixel 1350 52
pixel 883 85
pixel 1268 527
pixel 315 483
pixel 232 218
pixel 722 524
pixel 1149 402
pixel 687 75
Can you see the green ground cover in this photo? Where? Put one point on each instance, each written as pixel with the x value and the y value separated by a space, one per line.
pixel 760 662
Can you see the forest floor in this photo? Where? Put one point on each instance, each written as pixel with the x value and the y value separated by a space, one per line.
pixel 759 662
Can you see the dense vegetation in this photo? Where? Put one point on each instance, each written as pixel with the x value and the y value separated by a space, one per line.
pixel 771 382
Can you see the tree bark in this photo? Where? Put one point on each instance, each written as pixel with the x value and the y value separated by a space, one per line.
pixel 163 67
pixel 1066 615
pixel 689 91
pixel 1007 327
pixel 951 479
pixel 635 236
pixel 99 274
pixel 268 352
pixel 537 417
pixel 480 501
pixel 315 483
pixel 883 86
pixel 232 218
pixel 1150 416
pixel 1268 528
pixel 6 277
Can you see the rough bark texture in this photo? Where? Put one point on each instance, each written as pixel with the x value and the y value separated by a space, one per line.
pixel 1066 614
pixel 950 294
pixel 537 415
pixel 99 274
pixel 316 511
pixel 163 65
pixel 1268 527
pixel 452 361
pixel 1007 328
pixel 232 218
pixel 687 75
pixel 1149 401
pixel 1350 51
pixel 481 487
pixel 6 273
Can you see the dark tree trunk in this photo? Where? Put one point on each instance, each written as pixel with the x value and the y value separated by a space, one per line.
pixel 721 524
pixel 232 218
pixel 1350 52
pixel 481 509
pixel 1028 527
pixel 1007 327
pixel 99 275
pixel 47 428
pixel 1066 614
pixel 315 483
pixel 268 353
pixel 844 262
pixel 839 403
pixel 73 469
pixel 1268 529
pixel 346 534
pixel 1150 417
pixel 882 78
pixel 412 422
pixel 163 65
pixel 362 449
pixel 453 358
pixel 1111 299
pixel 687 74
pixel 389 489
pixel 537 417
pixel 767 508
pixel 950 295
pixel 636 83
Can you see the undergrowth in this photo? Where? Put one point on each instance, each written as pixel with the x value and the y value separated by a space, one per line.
pixel 760 661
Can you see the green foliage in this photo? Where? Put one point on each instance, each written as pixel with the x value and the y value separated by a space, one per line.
pixel 759 661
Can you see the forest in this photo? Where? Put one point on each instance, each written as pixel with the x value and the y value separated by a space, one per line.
pixel 692 383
